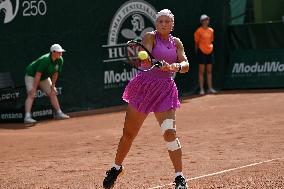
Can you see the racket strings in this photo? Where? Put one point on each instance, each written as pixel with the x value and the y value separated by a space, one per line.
pixel 132 51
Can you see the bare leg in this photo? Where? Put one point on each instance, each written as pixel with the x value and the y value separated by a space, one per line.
pixel 201 76
pixel 209 75
pixel 29 103
pixel 132 125
pixel 54 101
pixel 169 136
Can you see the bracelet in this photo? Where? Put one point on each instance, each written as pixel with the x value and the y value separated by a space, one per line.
pixel 179 67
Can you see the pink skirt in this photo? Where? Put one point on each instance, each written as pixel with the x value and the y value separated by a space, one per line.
pixel 148 93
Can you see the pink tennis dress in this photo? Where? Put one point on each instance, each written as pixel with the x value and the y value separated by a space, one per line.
pixel 155 90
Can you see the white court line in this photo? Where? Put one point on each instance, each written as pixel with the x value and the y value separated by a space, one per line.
pixel 221 172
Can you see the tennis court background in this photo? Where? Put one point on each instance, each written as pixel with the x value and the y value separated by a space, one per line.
pixel 90 78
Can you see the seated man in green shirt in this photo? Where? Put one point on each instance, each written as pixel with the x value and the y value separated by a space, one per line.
pixel 43 73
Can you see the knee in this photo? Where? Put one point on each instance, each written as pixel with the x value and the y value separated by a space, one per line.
pixel 51 95
pixel 168 130
pixel 129 135
pixel 170 135
pixel 172 142
pixel 31 96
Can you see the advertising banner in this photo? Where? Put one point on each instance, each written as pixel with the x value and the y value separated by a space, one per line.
pixel 93 33
pixel 12 105
pixel 255 69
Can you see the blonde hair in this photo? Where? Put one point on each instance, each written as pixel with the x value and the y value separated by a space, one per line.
pixel 165 12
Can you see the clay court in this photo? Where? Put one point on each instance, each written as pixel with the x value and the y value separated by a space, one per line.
pixel 230 140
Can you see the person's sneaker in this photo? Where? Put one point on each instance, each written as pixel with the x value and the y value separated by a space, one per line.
pixel 62 116
pixel 29 120
pixel 180 183
pixel 212 91
pixel 202 92
pixel 111 176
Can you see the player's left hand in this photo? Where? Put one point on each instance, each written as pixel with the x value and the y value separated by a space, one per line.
pixel 169 67
pixel 166 66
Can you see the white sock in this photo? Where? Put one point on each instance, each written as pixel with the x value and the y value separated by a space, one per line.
pixel 117 167
pixel 28 114
pixel 59 111
pixel 179 174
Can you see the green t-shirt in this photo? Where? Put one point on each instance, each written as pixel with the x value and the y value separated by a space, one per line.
pixel 45 65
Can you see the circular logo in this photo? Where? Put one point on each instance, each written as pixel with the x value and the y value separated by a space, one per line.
pixel 8 8
pixel 131 21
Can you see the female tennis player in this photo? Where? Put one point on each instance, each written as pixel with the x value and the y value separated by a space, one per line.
pixel 154 91
pixel 204 37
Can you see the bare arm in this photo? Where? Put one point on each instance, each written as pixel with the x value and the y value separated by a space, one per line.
pixel 182 59
pixel 54 78
pixel 212 37
pixel 196 40
pixel 196 47
pixel 148 41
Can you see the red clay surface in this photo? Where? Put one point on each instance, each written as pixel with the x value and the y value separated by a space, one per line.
pixel 218 132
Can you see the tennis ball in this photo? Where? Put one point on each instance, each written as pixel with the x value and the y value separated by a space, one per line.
pixel 142 55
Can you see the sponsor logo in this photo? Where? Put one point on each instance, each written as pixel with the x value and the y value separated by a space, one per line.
pixel 131 21
pixel 267 67
pixel 112 77
pixel 9 96
pixel 7 116
pixel 7 7
pixel 17 94
pixel 42 113
pixel 135 12
pixel 29 8
pixel 40 94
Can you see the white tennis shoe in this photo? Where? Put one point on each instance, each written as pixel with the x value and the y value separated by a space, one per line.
pixel 212 91
pixel 202 92
pixel 29 120
pixel 62 115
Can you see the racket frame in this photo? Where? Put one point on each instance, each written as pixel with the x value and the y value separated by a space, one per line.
pixel 151 58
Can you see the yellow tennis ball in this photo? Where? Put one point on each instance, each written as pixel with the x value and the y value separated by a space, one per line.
pixel 142 55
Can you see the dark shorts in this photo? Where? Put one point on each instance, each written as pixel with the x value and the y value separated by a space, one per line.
pixel 205 58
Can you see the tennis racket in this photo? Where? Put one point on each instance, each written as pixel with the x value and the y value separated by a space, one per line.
pixel 132 49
